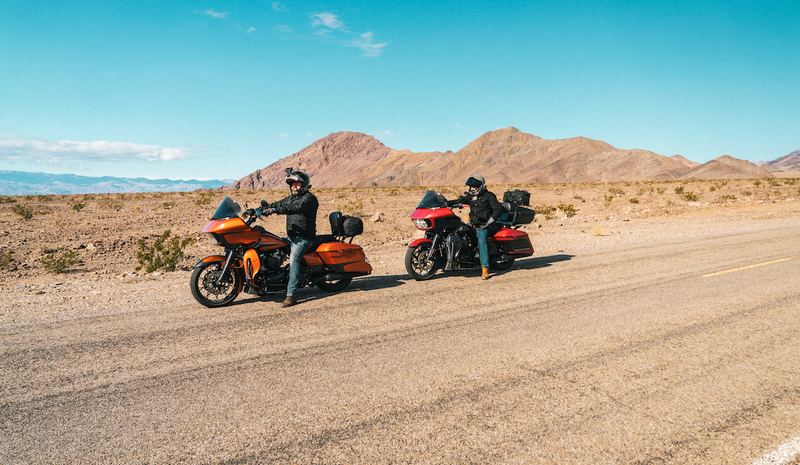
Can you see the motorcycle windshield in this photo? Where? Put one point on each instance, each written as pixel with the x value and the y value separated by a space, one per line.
pixel 228 208
pixel 432 199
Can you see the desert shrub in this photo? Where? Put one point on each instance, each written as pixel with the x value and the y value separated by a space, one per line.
pixel 7 199
pixel 757 183
pixel 634 200
pixel 679 190
pixel 545 210
pixel 24 210
pixel 6 260
pixel 204 199
pixel 608 199
pixel 568 210
pixel 728 197
pixel 616 191
pixel 111 204
pixel 77 206
pixel 44 198
pixel 169 204
pixel 690 196
pixel 53 264
pixel 165 253
pixel 774 183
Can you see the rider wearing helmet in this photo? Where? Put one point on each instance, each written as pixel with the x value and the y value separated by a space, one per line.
pixel 300 209
pixel 484 210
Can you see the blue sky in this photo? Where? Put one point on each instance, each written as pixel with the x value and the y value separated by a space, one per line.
pixel 218 89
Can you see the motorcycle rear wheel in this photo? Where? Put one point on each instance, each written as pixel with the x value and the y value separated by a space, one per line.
pixel 417 263
pixel 334 286
pixel 500 265
pixel 205 290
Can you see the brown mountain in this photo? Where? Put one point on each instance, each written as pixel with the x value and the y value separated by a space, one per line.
pixel 789 162
pixel 505 156
pixel 727 167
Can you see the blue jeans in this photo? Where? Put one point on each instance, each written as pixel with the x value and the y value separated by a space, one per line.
pixel 300 246
pixel 483 249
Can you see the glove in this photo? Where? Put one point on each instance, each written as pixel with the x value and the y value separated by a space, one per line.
pixel 491 220
pixel 268 212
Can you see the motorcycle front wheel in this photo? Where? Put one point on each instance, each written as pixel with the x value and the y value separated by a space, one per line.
pixel 417 263
pixel 205 289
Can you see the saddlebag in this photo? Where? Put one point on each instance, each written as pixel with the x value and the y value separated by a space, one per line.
pixel 513 242
pixel 344 258
pixel 517 197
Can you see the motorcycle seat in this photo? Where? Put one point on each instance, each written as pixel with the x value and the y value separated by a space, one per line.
pixel 323 238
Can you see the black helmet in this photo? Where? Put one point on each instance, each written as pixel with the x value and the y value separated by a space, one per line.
pixel 298 176
pixel 477 184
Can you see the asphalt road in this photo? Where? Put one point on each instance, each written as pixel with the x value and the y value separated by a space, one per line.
pixel 682 352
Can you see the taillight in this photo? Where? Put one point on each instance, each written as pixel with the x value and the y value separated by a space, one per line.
pixel 421 223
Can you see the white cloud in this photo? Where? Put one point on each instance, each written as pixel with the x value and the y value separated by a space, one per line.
pixel 328 25
pixel 21 149
pixel 252 29
pixel 364 42
pixel 216 15
pixel 277 6
pixel 328 20
pixel 283 135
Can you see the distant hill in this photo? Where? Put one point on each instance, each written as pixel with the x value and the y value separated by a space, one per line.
pixel 26 183
pixel 786 163
pixel 505 156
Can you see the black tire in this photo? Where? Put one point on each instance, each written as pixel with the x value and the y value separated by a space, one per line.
pixel 334 286
pixel 500 265
pixel 207 292
pixel 417 264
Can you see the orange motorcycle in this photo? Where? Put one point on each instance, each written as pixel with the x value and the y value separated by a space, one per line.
pixel 255 261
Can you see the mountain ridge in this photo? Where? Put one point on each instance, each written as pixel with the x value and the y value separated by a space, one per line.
pixel 503 156
pixel 38 183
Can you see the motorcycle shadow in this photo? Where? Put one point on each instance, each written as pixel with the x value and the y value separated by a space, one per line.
pixel 367 283
pixel 533 263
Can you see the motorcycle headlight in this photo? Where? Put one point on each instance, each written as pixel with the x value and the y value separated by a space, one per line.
pixel 421 223
pixel 213 238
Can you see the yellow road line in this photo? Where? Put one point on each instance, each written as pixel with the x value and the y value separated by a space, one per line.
pixel 747 267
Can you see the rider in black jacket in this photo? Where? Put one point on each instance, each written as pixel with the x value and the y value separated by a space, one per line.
pixel 484 210
pixel 300 209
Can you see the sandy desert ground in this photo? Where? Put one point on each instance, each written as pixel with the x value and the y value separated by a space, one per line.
pixel 104 230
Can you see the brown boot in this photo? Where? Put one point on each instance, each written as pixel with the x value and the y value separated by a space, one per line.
pixel 290 300
pixel 485 272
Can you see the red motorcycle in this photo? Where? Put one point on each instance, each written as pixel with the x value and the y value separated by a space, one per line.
pixel 256 261
pixel 449 243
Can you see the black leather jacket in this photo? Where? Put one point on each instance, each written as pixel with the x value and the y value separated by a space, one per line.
pixel 301 214
pixel 482 207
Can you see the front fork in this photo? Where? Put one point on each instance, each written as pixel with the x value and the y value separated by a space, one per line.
pixel 228 262
pixel 434 245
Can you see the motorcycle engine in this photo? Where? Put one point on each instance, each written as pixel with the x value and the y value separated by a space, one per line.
pixel 271 270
